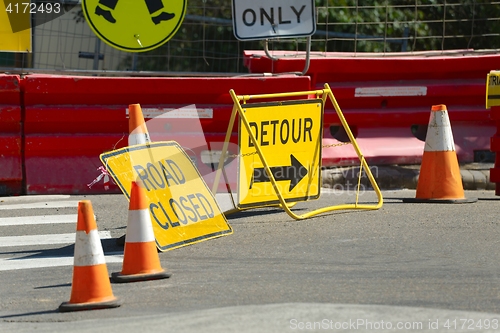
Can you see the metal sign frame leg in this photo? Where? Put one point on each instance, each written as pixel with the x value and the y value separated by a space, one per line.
pixel 221 162
pixel 364 164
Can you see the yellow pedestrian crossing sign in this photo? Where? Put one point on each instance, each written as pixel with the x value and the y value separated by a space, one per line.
pixel 134 25
pixel 289 134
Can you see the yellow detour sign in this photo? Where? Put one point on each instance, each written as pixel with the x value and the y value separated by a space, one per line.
pixel 289 135
pixel 280 151
pixel 493 89
pixel 183 210
pixel 134 25
pixel 15 24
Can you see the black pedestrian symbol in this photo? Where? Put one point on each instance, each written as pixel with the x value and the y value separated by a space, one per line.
pixel 153 7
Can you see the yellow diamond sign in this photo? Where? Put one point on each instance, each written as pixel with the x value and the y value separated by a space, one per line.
pixel 183 210
pixel 493 89
pixel 15 24
pixel 289 135
pixel 134 25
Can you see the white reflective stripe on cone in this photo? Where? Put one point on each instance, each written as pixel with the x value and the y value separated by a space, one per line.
pixel 138 138
pixel 439 135
pixel 88 249
pixel 139 228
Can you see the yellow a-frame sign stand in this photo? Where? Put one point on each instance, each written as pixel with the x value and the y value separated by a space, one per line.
pixel 270 171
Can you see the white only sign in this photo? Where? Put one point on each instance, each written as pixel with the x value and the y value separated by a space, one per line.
pixel 263 19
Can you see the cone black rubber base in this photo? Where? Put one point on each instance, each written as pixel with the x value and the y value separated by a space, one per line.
pixel 443 201
pixel 68 307
pixel 121 278
pixel 120 241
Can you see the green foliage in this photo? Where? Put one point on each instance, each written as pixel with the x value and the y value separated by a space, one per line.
pixel 204 45
pixel 467 24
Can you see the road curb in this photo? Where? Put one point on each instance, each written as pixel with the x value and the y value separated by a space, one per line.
pixel 475 176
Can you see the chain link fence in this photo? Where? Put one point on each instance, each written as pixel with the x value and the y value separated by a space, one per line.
pixel 206 44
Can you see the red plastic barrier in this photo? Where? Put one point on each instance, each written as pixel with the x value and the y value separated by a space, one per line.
pixel 352 67
pixel 387 100
pixel 70 121
pixel 11 174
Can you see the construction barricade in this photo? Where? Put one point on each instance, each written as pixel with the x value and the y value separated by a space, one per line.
pixel 280 147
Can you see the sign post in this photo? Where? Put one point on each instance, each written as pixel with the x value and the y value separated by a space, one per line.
pixel 262 19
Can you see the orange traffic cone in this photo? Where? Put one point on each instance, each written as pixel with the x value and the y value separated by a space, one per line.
pixel 91 288
pixel 439 180
pixel 138 132
pixel 140 259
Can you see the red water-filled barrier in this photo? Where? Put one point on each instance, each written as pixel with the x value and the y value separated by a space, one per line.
pixel 70 121
pixel 386 100
pixel 11 168
pixel 53 128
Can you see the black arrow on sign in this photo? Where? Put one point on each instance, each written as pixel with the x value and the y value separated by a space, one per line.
pixel 294 173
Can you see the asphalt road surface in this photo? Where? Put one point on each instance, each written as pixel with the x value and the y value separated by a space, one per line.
pixel 404 267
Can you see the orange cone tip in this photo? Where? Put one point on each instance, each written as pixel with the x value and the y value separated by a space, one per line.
pixel 138 132
pixel 136 119
pixel 86 220
pixel 138 198
pixel 439 107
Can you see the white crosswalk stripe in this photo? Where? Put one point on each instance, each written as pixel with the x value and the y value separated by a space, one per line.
pixel 10 241
pixel 12 247
pixel 40 219
pixel 40 205
pixel 27 263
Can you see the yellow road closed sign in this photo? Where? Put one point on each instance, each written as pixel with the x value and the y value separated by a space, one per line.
pixel 289 135
pixel 134 25
pixel 183 210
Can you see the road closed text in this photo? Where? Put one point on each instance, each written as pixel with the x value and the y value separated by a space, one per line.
pixel 182 208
